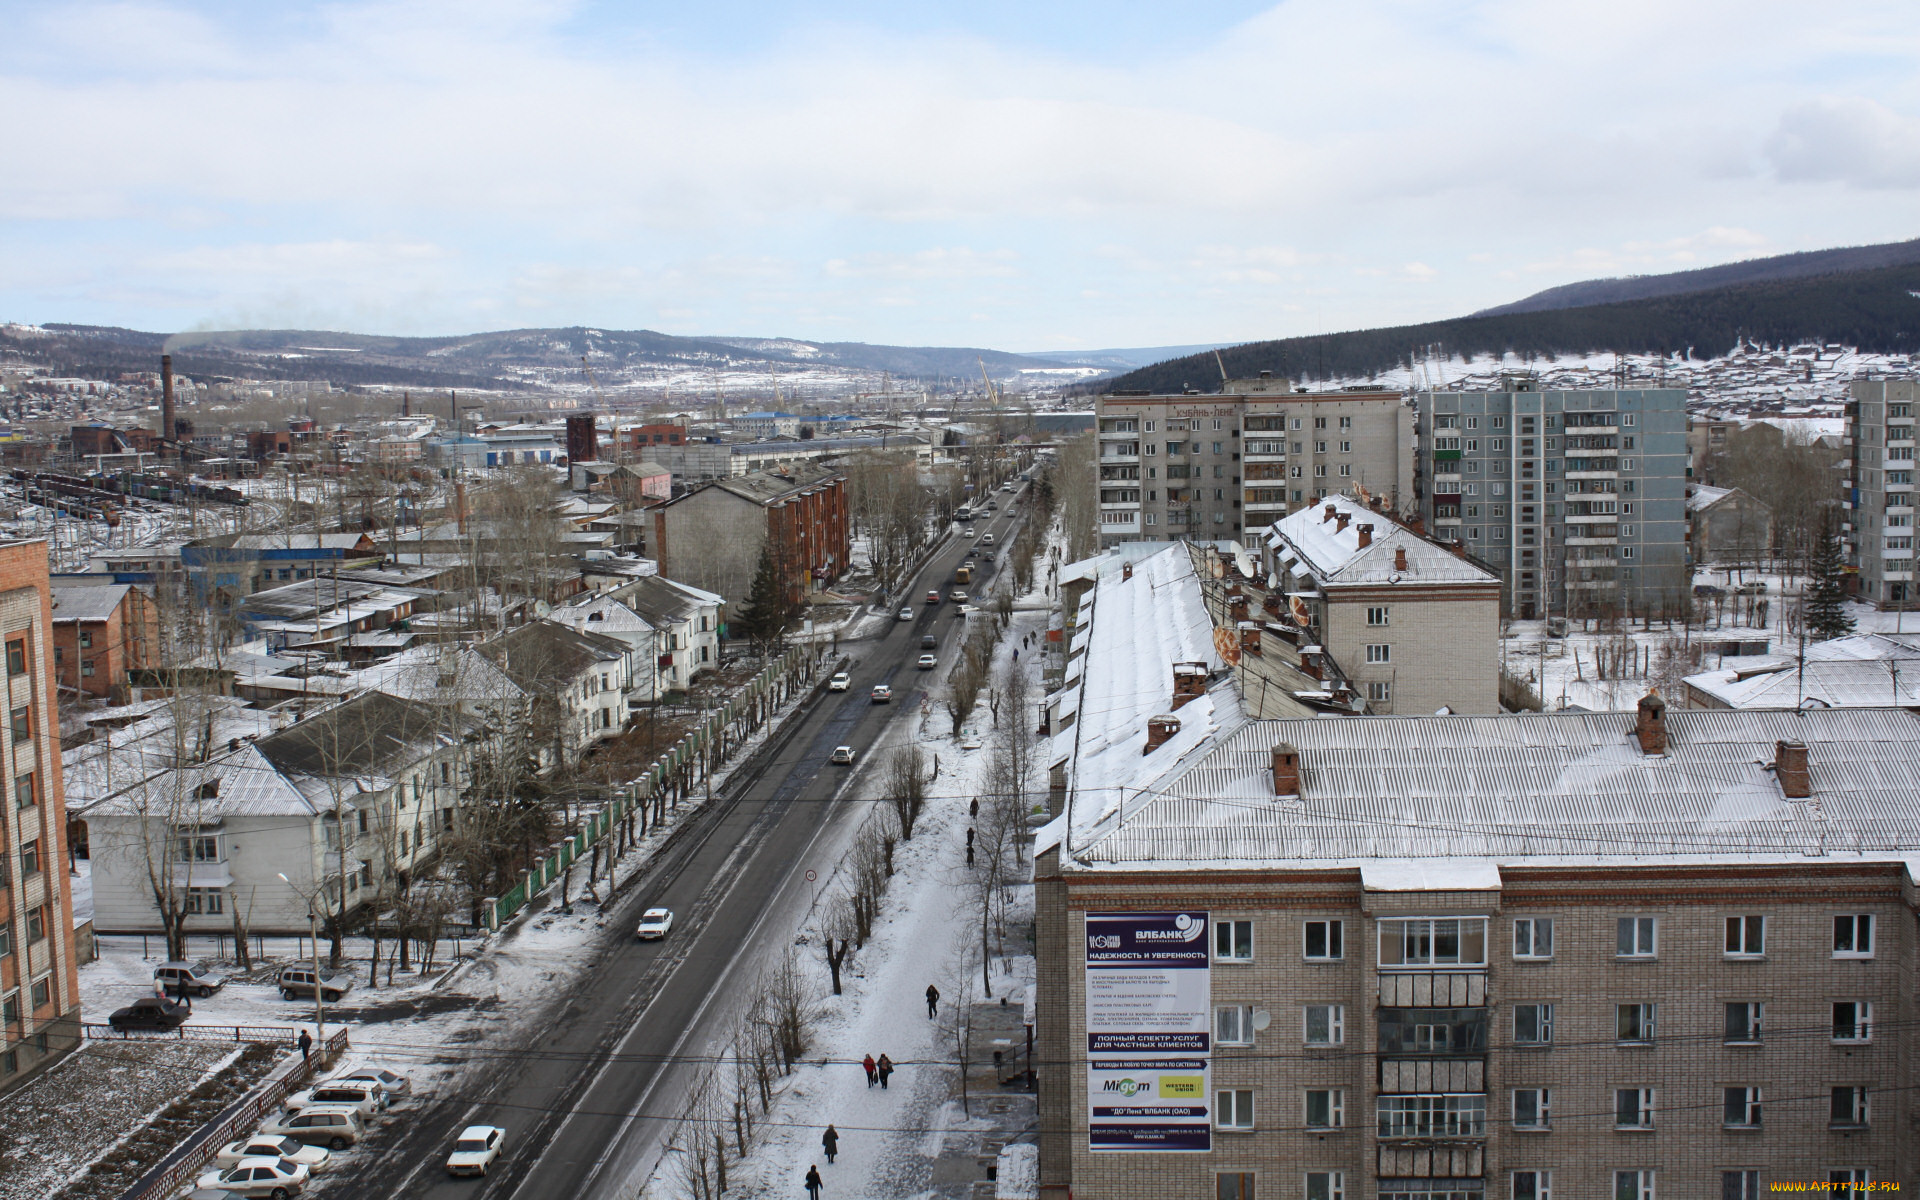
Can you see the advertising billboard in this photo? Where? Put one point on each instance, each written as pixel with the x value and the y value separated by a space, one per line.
pixel 1149 1006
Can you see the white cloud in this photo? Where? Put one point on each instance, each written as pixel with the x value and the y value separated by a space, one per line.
pixel 1847 139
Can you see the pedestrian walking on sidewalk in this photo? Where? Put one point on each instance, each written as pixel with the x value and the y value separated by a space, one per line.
pixel 867 1062
pixel 885 1068
pixel 830 1142
pixel 306 1044
pixel 933 1002
pixel 813 1182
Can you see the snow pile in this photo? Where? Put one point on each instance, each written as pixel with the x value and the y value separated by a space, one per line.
pixel 1019 1173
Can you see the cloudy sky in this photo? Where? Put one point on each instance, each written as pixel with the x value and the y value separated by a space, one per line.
pixel 984 172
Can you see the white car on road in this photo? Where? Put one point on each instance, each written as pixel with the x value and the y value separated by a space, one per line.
pixel 840 682
pixel 274 1178
pixel 842 756
pixel 654 924
pixel 474 1152
pixel 260 1145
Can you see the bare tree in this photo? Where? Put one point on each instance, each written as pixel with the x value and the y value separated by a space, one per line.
pixel 906 787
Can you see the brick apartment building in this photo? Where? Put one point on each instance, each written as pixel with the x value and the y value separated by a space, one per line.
pixel 1637 955
pixel 635 441
pixel 101 632
pixel 1215 466
pixel 711 537
pixel 39 980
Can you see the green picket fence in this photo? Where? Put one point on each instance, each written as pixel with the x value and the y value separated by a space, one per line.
pixel 637 792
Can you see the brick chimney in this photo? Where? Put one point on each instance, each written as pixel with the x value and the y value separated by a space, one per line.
pixel 1237 604
pixel 1126 570
pixel 1286 770
pixel 1651 725
pixel 1366 535
pixel 1249 637
pixel 1340 522
pixel 1790 767
pixel 1327 513
pixel 1189 682
pixel 1399 558
pixel 1310 661
pixel 1159 730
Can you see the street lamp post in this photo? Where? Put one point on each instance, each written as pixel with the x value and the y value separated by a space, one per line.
pixel 313 940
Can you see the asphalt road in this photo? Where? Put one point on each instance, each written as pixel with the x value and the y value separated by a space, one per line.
pixel 587 1105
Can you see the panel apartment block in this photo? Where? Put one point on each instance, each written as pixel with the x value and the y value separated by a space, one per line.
pixel 1880 498
pixel 1577 499
pixel 1216 466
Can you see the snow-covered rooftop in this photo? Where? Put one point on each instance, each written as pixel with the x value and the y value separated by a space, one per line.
pixel 1328 548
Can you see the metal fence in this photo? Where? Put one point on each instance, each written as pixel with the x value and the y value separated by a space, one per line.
pixel 672 769
pixel 187 1160
pixel 270 1034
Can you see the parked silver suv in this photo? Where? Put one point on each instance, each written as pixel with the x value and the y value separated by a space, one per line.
pixel 298 981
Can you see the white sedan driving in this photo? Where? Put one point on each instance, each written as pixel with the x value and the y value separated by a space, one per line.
pixel 654 924
pixel 475 1150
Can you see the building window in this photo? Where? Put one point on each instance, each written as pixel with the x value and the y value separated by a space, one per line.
pixel 1533 1024
pixel 1378 614
pixel 1849 1108
pixel 1634 1023
pixel 1853 936
pixel 1324 941
pixel 16 656
pixel 22 725
pixel 1346 469
pixel 1433 1116
pixel 1325 1024
pixel 1533 937
pixel 1636 937
pixel 1743 1019
pixel 1746 937
pixel 1379 652
pixel 1233 1186
pixel 1633 1185
pixel 10 1009
pixel 1233 1025
pixel 30 859
pixel 1853 1020
pixel 1380 691
pixel 42 995
pixel 23 793
pixel 1326 1185
pixel 1850 1179
pixel 1740 1107
pixel 36 924
pixel 208 901
pixel 1346 447
pixel 1533 1185
pixel 1233 941
pixel 205 847
pixel 1421 942
pixel 6 938
pixel 1326 1108
pixel 1739 1185
pixel 1233 1110
pixel 1346 422
pixel 1633 1108
pixel 1532 1108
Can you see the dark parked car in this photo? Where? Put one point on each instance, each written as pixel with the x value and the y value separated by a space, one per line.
pixel 149 1012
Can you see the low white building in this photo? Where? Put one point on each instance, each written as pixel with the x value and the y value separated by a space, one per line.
pixel 686 621
pixel 579 683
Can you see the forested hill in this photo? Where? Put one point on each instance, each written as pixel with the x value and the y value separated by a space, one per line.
pixel 1876 310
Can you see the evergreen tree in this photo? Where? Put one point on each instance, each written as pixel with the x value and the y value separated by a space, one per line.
pixel 1825 613
pixel 767 611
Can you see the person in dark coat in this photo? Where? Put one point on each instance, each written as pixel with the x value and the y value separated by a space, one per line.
pixel 933 1002
pixel 813 1182
pixel 867 1062
pixel 306 1044
pixel 830 1142
pixel 885 1068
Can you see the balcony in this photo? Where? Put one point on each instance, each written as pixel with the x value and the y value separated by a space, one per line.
pixel 1116 459
pixel 1606 474
pixel 1605 540
pixel 1433 989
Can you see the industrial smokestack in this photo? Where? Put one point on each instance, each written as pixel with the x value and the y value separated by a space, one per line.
pixel 166 397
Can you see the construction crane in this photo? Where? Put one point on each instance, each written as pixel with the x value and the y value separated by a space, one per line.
pixel 993 391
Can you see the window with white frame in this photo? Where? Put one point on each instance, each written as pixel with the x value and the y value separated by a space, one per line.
pixel 203 901
pixel 1746 937
pixel 1326 1108
pixel 1437 1116
pixel 1634 1023
pixel 1233 1185
pixel 1233 1109
pixel 1853 1020
pixel 1378 614
pixel 1532 1108
pixel 1853 936
pixel 1740 1107
pixel 1533 1024
pixel 1743 1022
pixel 1848 1179
pixel 1636 937
pixel 1325 940
pixel 1233 1025
pixel 1379 690
pixel 1633 1108
pixel 1433 941
pixel 1533 937
pixel 1233 941
pixel 1326 1185
pixel 1325 1024
pixel 1533 1185
pixel 1739 1185
pixel 1633 1185
pixel 1848 1108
